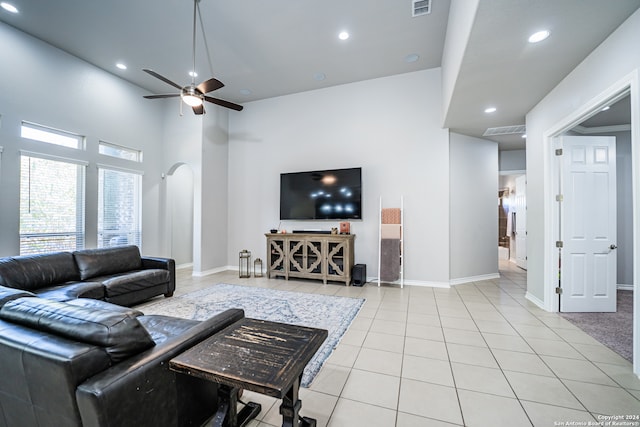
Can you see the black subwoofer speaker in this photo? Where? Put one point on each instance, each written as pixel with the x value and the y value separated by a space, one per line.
pixel 359 274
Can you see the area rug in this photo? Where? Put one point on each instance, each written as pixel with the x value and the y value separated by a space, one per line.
pixel 615 330
pixel 319 311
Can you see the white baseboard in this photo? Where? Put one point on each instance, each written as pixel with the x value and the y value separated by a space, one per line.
pixel 462 280
pixel 537 301
pixel 374 281
pixel 624 287
pixel 183 266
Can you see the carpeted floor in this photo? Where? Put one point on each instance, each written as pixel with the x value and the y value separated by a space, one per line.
pixel 615 330
pixel 332 313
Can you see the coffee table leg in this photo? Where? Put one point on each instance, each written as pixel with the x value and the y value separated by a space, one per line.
pixel 290 409
pixel 227 414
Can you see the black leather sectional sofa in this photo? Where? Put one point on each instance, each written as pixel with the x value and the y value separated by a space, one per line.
pixel 91 363
pixel 118 275
pixel 68 357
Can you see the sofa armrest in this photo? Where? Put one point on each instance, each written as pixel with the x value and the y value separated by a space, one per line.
pixel 162 264
pixel 143 391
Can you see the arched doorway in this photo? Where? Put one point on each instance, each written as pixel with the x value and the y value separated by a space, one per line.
pixel 180 185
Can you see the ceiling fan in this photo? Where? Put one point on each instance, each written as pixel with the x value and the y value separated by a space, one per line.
pixel 194 95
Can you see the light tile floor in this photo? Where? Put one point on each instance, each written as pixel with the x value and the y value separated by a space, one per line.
pixel 477 354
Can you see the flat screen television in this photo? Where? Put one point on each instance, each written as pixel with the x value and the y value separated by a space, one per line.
pixel 326 194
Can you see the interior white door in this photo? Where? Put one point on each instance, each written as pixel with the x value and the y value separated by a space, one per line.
pixel 588 224
pixel 521 221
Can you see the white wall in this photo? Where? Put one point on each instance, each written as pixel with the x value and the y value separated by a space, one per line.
pixel 511 161
pixel 391 127
pixel 201 142
pixel 624 217
pixel 45 85
pixel 462 13
pixel 625 208
pixel 473 187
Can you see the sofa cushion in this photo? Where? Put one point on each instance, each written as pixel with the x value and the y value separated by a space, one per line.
pixel 106 261
pixel 125 283
pixel 31 272
pixel 119 334
pixel 9 294
pixel 104 305
pixel 72 290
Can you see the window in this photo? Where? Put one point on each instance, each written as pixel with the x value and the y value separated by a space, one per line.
pixel 119 200
pixel 51 136
pixel 51 205
pixel 118 151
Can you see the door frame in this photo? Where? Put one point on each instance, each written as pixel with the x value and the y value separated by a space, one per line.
pixel 627 85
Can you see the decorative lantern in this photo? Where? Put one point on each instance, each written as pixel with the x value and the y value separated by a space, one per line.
pixel 257 268
pixel 244 263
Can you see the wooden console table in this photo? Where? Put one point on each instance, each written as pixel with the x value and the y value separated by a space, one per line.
pixel 257 355
pixel 310 256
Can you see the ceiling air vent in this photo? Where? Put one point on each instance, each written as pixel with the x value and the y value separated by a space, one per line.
pixel 505 130
pixel 421 7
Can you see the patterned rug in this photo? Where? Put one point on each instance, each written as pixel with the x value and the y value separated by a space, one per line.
pixel 319 311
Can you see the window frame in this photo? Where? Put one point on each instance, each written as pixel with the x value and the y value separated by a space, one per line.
pixel 100 231
pixel 137 154
pixel 80 204
pixel 80 139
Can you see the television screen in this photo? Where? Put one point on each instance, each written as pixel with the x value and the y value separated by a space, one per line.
pixel 329 194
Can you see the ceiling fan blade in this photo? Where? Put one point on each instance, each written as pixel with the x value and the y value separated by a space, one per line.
pixel 198 109
pixel 224 103
pixel 168 95
pixel 210 85
pixel 164 79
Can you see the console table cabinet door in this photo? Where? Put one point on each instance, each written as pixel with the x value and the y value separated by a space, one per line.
pixel 311 256
pixel 305 257
pixel 337 262
pixel 276 258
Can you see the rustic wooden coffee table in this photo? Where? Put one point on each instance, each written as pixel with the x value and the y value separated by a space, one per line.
pixel 257 355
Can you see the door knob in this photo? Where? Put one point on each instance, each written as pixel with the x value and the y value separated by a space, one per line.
pixel 612 247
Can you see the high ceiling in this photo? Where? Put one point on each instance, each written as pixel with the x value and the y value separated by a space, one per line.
pixel 263 49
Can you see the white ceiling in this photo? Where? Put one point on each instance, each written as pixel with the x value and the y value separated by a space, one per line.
pixel 278 47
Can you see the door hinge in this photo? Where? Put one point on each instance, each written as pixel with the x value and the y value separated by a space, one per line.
pixel 558 290
pixel 558 243
pixel 559 152
pixel 559 198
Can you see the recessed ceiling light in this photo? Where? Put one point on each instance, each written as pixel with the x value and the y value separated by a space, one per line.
pixel 524 136
pixel 413 57
pixel 490 110
pixel 9 7
pixel 319 76
pixel 245 92
pixel 606 108
pixel 539 36
pixel 193 74
pixel 343 35
pixel 121 66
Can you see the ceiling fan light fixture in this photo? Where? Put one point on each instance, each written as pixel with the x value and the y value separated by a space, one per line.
pixel 194 95
pixel 192 100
